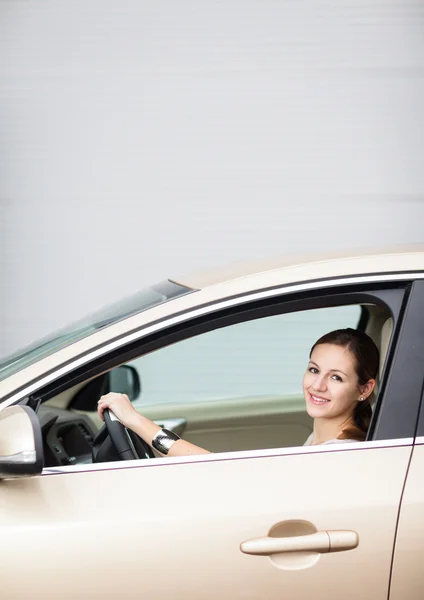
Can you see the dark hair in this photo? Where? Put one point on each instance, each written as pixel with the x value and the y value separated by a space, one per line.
pixel 367 360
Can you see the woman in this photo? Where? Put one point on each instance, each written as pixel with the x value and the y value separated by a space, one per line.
pixel 337 385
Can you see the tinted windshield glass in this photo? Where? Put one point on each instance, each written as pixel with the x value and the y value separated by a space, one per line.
pixel 138 302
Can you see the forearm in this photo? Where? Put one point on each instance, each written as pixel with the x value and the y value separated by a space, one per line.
pixel 147 430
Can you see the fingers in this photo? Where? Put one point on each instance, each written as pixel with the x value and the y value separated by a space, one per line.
pixel 103 404
pixel 109 401
pixel 101 408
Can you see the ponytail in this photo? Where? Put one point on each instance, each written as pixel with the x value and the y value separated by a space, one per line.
pixel 357 430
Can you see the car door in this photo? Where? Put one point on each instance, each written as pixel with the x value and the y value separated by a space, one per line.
pixel 284 522
pixel 408 577
pixel 325 520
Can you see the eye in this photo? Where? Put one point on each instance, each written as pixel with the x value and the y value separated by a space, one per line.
pixel 336 378
pixel 313 370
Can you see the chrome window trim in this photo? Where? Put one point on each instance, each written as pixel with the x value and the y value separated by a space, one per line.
pixel 219 456
pixel 419 441
pixel 284 289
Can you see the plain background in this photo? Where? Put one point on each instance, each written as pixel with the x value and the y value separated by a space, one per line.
pixel 140 139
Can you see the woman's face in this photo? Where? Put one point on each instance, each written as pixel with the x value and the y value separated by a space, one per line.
pixel 330 383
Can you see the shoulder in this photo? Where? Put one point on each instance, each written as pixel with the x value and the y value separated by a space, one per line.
pixel 334 441
pixel 309 440
pixel 337 441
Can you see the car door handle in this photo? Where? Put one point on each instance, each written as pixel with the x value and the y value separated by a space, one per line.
pixel 321 541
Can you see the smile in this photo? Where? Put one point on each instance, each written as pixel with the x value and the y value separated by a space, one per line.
pixel 318 399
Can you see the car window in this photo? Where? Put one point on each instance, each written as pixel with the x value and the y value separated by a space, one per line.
pixel 266 356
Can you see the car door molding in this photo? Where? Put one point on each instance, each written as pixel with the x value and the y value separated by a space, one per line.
pixel 194 313
pixel 233 455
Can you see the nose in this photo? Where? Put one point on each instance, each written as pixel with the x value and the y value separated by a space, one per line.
pixel 320 383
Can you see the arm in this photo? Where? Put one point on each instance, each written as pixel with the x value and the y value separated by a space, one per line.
pixel 121 406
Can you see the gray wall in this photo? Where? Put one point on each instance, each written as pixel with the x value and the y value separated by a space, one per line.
pixel 138 139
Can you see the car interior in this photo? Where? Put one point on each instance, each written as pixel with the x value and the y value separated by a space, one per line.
pixel 74 434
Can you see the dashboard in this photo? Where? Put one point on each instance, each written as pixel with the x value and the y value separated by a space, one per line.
pixel 67 437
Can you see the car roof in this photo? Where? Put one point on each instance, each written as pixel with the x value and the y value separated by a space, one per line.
pixel 371 259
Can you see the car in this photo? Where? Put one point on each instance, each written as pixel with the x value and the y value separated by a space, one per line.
pixel 218 358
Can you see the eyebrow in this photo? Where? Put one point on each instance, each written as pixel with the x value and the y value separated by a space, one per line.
pixel 331 370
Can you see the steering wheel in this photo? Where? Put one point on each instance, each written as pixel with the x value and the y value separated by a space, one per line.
pixel 128 445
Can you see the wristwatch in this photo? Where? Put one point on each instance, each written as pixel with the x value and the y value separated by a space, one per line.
pixel 163 440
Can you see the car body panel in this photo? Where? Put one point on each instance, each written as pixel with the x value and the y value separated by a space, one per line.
pixel 176 529
pixel 261 268
pixel 408 574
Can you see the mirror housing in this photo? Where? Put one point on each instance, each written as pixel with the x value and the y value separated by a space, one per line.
pixel 21 443
pixel 123 379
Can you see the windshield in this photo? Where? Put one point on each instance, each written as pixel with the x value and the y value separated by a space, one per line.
pixel 138 302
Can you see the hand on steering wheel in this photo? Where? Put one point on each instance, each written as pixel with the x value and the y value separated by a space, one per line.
pixel 117 412
pixel 121 407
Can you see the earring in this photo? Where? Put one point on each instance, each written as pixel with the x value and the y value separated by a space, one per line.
pixel 361 399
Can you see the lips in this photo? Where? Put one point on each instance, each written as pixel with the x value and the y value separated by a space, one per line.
pixel 318 400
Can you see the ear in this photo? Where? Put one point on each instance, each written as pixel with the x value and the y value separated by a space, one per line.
pixel 367 389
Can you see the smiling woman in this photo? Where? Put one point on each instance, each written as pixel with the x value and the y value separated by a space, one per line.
pixel 338 386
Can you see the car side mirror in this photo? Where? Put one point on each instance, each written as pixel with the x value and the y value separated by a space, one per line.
pixel 21 443
pixel 123 379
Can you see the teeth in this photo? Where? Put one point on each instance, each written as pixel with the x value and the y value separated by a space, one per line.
pixel 322 400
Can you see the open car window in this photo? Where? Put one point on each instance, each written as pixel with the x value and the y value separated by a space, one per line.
pixel 232 381
pixel 265 356
pixel 238 387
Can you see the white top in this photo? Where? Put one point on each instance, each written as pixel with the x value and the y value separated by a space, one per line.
pixel 335 441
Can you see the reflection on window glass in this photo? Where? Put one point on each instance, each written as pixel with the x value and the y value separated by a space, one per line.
pixel 108 315
pixel 261 357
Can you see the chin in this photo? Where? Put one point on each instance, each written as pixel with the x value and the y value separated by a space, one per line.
pixel 312 411
pixel 315 411
pixel 314 414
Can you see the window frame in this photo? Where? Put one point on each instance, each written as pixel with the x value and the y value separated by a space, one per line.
pixel 393 296
pixel 189 327
pixel 408 358
pixel 405 285
pixel 30 389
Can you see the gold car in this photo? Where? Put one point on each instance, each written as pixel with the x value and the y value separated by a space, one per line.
pixel 218 358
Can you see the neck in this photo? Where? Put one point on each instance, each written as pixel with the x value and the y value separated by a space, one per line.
pixel 329 429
